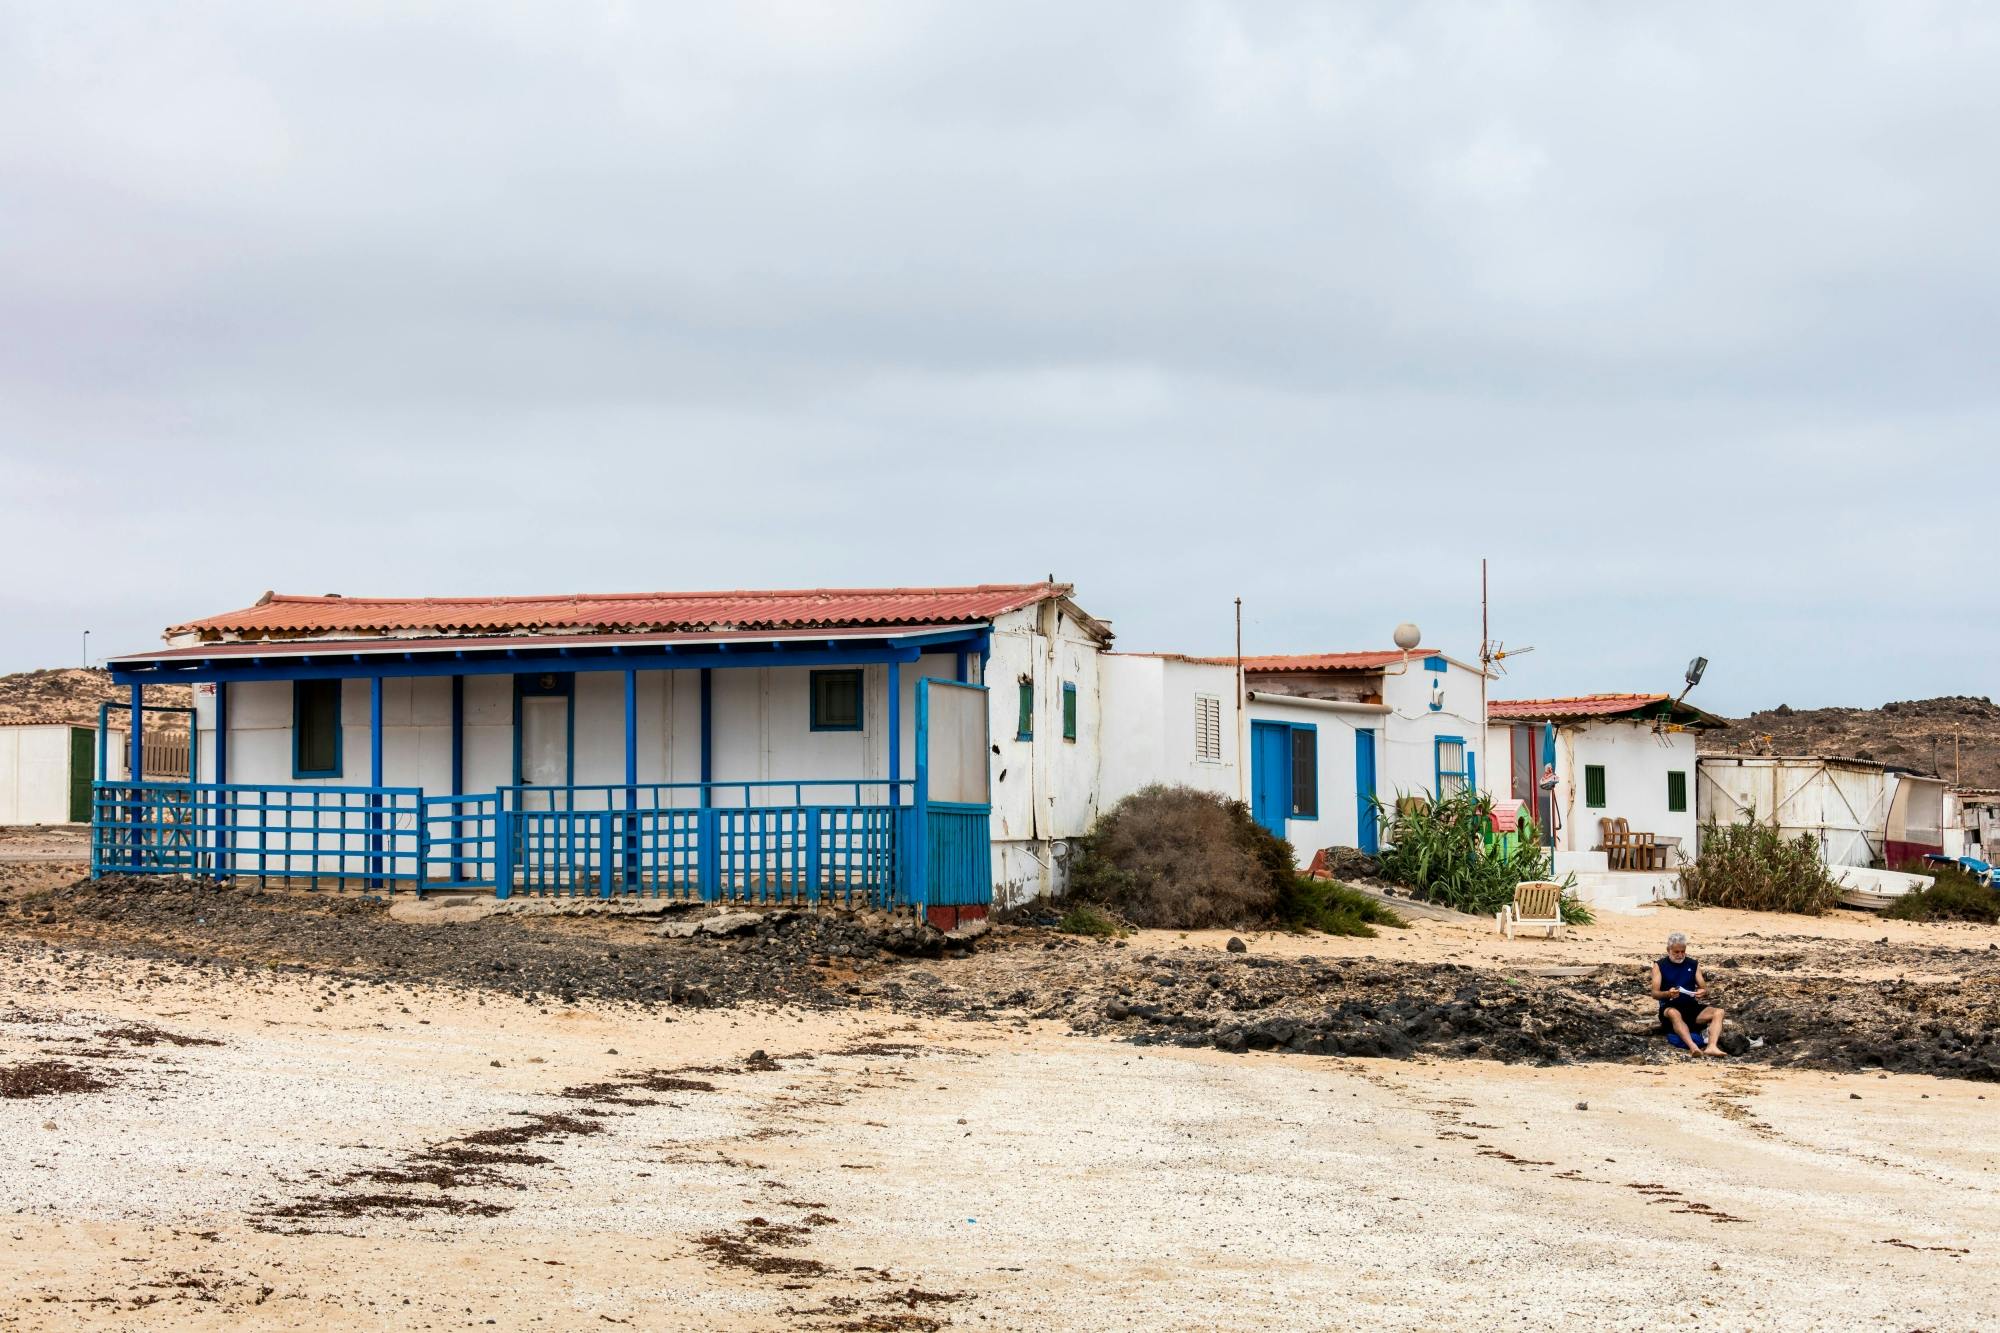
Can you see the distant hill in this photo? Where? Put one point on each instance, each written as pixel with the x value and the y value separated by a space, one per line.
pixel 72 694
pixel 1916 733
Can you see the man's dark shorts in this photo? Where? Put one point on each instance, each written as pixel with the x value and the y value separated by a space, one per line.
pixel 1689 1007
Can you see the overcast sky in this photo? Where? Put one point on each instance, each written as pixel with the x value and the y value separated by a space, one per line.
pixel 1684 315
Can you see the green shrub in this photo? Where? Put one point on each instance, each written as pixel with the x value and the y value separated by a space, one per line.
pixel 1438 850
pixel 1085 919
pixel 1956 896
pixel 1754 867
pixel 1332 907
pixel 1180 859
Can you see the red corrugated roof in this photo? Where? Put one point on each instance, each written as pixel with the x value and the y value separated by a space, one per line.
pixel 808 608
pixel 1369 661
pixel 1582 705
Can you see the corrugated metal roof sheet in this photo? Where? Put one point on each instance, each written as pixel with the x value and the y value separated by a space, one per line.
pixel 1367 661
pixel 1583 707
pixel 285 615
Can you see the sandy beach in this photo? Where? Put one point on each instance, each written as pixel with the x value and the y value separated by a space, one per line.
pixel 299 1149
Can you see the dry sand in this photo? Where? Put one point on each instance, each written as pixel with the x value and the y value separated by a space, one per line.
pixel 961 1174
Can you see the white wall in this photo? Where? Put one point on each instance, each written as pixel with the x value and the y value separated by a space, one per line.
pixel 1338 823
pixel 1045 789
pixel 34 775
pixel 1636 763
pixel 1149 720
pixel 1408 756
pixel 760 729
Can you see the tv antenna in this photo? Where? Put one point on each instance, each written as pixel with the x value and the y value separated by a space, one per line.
pixel 1491 651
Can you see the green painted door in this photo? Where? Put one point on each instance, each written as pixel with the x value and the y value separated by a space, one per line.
pixel 82 768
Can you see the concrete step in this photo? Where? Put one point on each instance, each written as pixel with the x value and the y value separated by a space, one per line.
pixel 1626 892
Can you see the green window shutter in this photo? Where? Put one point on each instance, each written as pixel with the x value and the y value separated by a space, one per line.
pixel 1025 728
pixel 1593 786
pixel 1677 792
pixel 1069 711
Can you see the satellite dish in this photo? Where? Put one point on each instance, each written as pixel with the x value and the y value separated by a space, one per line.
pixel 1408 636
pixel 1695 668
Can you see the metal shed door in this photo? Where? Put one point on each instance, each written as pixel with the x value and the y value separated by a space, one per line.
pixel 82 767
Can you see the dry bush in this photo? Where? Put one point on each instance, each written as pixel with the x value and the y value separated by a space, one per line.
pixel 1181 859
pixel 1754 867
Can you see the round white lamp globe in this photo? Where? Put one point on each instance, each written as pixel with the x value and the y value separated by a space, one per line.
pixel 1408 636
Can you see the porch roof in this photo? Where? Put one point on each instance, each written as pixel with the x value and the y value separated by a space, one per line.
pixel 527 654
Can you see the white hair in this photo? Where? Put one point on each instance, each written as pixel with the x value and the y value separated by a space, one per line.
pixel 1678 937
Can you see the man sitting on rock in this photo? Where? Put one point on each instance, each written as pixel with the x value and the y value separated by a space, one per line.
pixel 1682 992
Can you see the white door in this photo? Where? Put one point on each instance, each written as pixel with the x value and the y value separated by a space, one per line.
pixel 544 745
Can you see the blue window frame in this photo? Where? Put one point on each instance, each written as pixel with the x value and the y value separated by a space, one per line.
pixel 1069 711
pixel 836 700
pixel 1455 766
pixel 316 729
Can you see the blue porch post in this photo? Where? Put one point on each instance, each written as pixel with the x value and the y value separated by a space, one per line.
pixel 221 779
pixel 462 820
pixel 135 741
pixel 920 878
pixel 707 734
pixel 631 776
pixel 959 674
pixel 895 731
pixel 136 758
pixel 708 825
pixel 375 779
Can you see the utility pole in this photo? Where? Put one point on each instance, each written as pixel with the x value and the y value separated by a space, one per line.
pixel 1242 729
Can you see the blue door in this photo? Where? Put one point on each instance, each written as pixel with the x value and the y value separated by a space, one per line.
pixel 1271 775
pixel 1367 831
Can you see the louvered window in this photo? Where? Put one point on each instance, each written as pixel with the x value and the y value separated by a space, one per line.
pixel 1208 728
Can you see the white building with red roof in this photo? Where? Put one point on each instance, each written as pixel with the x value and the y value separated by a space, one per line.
pixel 1620 812
pixel 908 745
pixel 1327 734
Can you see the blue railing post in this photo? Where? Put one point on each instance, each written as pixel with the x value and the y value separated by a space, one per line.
pixel 708 851
pixel 812 816
pixel 503 847
pixel 607 853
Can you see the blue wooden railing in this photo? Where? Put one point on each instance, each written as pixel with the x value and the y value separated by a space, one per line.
pixel 852 842
pixel 369 835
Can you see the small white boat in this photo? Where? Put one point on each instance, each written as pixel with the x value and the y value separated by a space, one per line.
pixel 1873 890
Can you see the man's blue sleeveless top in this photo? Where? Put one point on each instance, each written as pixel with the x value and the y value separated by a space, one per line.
pixel 1674 974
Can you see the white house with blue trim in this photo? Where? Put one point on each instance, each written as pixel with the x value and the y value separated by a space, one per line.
pixel 753 744
pixel 1327 734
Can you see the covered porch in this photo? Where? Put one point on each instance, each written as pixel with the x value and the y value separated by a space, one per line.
pixel 778 766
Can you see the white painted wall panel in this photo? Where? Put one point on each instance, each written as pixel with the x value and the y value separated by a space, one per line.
pixel 34 775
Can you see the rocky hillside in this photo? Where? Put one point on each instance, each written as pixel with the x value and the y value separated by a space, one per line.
pixel 72 694
pixel 1918 733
